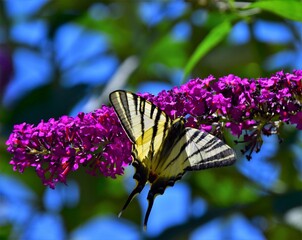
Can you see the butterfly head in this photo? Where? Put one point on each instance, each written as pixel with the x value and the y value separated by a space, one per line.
pixel 180 119
pixel 179 123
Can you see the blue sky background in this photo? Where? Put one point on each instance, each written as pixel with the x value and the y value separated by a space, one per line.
pixel 33 70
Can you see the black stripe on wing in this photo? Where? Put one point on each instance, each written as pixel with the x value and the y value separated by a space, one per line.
pixel 125 106
pixel 120 103
pixel 142 106
pixel 155 129
pixel 212 153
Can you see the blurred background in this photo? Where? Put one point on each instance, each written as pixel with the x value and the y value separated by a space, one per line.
pixel 62 57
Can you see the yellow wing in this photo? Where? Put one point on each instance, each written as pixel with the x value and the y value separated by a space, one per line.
pixel 145 124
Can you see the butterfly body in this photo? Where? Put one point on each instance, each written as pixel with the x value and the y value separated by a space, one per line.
pixel 156 161
pixel 164 149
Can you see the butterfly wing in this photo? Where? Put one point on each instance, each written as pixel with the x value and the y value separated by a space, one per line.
pixel 206 151
pixel 196 150
pixel 145 124
pixel 193 150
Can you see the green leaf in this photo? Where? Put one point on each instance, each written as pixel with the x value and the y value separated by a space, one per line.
pixel 215 36
pixel 287 9
pixel 166 51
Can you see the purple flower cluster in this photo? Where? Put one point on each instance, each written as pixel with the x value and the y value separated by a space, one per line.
pixel 56 147
pixel 247 107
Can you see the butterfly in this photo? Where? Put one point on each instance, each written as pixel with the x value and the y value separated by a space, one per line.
pixel 164 149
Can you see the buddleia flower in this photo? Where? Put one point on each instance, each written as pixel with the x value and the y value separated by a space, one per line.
pixel 247 108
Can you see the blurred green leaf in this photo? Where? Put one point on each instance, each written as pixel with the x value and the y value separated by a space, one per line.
pixel 166 51
pixel 215 36
pixel 280 231
pixel 5 231
pixel 287 9
pixel 223 187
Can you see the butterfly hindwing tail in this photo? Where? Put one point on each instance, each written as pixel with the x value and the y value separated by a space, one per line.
pixel 141 178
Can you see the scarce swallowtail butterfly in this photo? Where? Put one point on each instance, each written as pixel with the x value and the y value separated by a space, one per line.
pixel 164 149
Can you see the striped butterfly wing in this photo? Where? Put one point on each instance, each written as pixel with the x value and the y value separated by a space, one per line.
pixel 145 124
pixel 206 151
pixel 192 150
pixel 195 150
